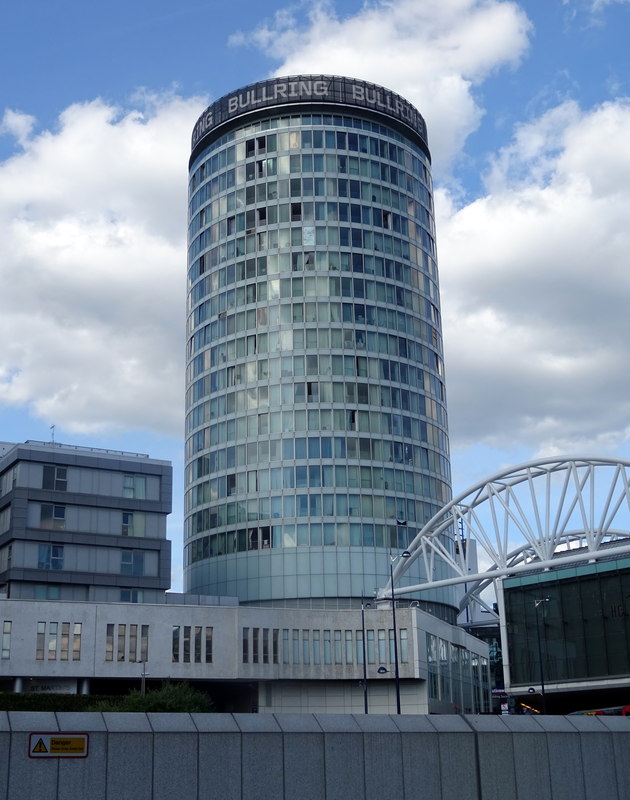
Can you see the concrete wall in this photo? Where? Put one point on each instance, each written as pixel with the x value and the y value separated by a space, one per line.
pixel 319 757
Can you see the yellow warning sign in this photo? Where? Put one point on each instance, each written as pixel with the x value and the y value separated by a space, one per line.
pixel 58 745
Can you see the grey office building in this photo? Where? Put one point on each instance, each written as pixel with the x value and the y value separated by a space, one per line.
pixel 316 427
pixel 82 523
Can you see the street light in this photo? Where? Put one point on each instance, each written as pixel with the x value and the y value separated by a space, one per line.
pixel 392 561
pixel 540 658
pixel 143 678
pixel 365 685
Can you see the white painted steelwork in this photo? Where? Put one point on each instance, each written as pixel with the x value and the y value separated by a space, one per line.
pixel 540 514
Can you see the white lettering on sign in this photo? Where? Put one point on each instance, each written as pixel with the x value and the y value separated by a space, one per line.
pixel 277 92
pixel 290 90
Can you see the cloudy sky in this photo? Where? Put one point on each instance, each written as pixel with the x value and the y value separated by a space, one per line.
pixel 528 111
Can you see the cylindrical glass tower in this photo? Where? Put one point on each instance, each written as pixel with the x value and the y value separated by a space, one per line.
pixel 316 430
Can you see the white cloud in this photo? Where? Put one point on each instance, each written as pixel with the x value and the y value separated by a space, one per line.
pixel 93 270
pixel 599 5
pixel 17 125
pixel 534 273
pixel 536 289
pixel 433 53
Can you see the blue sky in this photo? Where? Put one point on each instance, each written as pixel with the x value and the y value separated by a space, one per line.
pixel 528 116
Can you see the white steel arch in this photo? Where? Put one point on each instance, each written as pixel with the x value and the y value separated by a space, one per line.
pixel 537 515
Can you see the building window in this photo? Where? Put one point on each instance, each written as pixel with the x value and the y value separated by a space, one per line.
pixel 6 639
pixel 359 646
pixel 404 646
pixel 133 642
pixel 338 647
pixel 144 643
pixel 41 641
pixel 198 630
pixel 50 556
pixel 175 644
pixel 65 641
pixel 208 645
pixel 135 486
pixel 132 523
pixel 109 643
pixel 121 643
pixel 382 650
pixel 52 640
pixel 52 517
pixel 245 645
pixel 265 645
pixel 46 591
pixel 131 596
pixel 285 645
pixel 316 653
pixel 370 647
pixel 296 646
pixel 306 647
pixel 132 562
pixel 55 478
pixel 122 635
pixel 255 645
pixel 76 641
pixel 327 647
pixel 186 643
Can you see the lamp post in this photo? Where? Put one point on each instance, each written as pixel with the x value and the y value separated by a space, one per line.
pixel 143 678
pixel 392 561
pixel 365 685
pixel 540 658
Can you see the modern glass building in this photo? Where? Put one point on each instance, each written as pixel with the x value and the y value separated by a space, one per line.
pixel 316 427
pixel 580 616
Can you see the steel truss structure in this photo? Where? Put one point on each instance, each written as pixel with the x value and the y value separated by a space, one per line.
pixel 541 514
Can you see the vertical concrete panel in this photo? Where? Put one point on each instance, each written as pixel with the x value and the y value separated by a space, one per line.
pixel 5 751
pixel 29 777
pixel 174 756
pixel 303 743
pixel 382 754
pixel 219 757
pixel 84 777
pixel 420 757
pixel 532 771
pixel 262 767
pixel 343 754
pixel 620 730
pixel 129 756
pixel 495 757
pixel 458 758
pixel 598 758
pixel 563 745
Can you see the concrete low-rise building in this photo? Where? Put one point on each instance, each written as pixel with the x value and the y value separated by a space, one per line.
pixel 85 530
pixel 248 658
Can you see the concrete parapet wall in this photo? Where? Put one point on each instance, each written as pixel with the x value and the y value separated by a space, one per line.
pixel 318 757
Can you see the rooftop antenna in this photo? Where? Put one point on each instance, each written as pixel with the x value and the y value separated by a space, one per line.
pixel 52 434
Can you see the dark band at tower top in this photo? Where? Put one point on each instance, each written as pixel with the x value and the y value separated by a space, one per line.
pixel 320 92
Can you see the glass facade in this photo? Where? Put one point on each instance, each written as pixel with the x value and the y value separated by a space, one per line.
pixel 316 428
pixel 584 626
